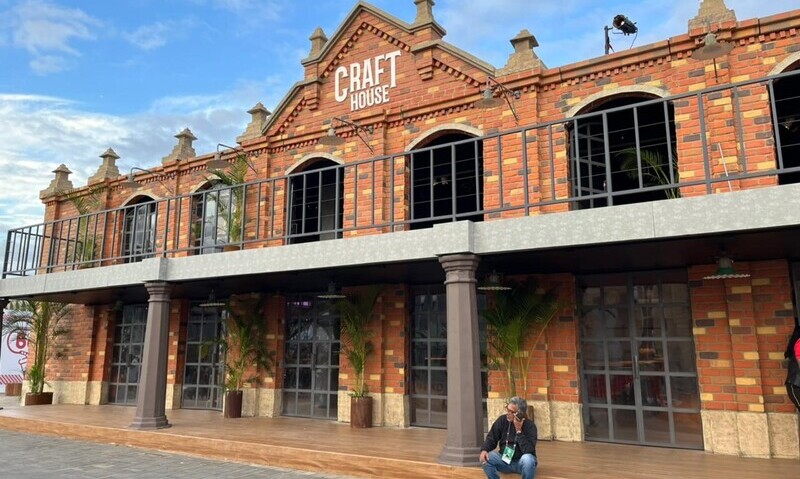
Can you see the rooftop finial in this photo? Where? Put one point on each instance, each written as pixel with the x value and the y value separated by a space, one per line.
pixel 712 11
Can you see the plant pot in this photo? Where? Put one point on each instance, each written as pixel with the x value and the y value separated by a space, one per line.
pixel 38 399
pixel 14 389
pixel 360 411
pixel 233 404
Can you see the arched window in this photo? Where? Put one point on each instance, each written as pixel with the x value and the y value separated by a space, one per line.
pixel 210 207
pixel 447 180
pixel 316 202
pixel 603 152
pixel 787 109
pixel 139 229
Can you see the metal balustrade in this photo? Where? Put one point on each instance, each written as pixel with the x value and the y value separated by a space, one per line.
pixel 715 140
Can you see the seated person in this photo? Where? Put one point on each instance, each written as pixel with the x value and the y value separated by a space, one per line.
pixel 515 435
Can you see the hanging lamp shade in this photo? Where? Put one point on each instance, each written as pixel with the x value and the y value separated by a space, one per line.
pixel 331 139
pixel 493 282
pixel 488 100
pixel 130 182
pixel 333 292
pixel 725 269
pixel 217 163
pixel 212 301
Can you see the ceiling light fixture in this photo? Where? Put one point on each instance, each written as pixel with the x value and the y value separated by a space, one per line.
pixel 333 292
pixel 493 282
pixel 212 301
pixel 725 269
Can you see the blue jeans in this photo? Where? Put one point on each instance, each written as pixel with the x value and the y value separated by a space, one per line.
pixel 525 466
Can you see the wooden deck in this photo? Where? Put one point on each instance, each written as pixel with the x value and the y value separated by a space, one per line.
pixel 378 452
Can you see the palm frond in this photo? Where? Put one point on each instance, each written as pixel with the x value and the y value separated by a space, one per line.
pixel 655 170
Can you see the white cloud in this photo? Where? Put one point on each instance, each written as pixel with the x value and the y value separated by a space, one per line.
pixel 37 133
pixel 156 35
pixel 47 32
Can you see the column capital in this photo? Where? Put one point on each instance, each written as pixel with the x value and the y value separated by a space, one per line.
pixel 460 267
pixel 158 290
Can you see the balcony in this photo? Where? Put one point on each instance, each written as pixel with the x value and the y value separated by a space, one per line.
pixel 625 151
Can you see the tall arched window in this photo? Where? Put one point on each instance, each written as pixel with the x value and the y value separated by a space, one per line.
pixel 139 230
pixel 603 153
pixel 210 207
pixel 787 109
pixel 447 180
pixel 316 202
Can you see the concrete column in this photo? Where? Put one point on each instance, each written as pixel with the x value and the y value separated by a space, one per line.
pixel 464 416
pixel 150 413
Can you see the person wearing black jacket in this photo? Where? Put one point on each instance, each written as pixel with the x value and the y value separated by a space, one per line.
pixel 515 435
pixel 793 378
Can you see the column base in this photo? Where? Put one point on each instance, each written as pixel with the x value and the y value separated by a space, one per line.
pixel 159 422
pixel 460 456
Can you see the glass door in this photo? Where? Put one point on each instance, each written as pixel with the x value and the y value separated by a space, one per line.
pixel 428 387
pixel 638 362
pixel 126 355
pixel 204 372
pixel 311 361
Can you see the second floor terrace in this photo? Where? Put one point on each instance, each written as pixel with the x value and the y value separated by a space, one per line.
pixel 618 149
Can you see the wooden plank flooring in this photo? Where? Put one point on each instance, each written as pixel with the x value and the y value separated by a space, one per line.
pixel 377 452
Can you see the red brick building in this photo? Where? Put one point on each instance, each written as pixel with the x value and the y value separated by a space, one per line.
pixel 624 183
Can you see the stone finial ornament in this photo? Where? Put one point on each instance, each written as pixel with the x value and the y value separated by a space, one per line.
pixel 424 11
pixel 59 184
pixel 523 58
pixel 712 11
pixel 318 41
pixel 108 169
pixel 183 149
pixel 259 116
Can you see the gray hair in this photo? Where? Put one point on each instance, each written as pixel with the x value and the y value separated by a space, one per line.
pixel 522 406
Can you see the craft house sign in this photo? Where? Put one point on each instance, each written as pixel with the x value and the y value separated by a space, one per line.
pixel 365 83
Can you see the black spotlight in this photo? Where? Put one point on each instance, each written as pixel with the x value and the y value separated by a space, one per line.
pixel 624 24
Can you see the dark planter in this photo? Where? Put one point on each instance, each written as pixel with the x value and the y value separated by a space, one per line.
pixel 360 411
pixel 38 399
pixel 233 404
pixel 14 389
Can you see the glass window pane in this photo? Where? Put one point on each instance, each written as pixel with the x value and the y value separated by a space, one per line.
pixel 192 353
pixel 321 379
pixel 681 356
pixel 596 388
pixel 304 404
pixel 656 427
pixel 688 430
pixel 438 412
pixel 678 321
pixel 684 393
pixel 131 396
pixel 439 383
pixel 597 427
pixel 304 378
pixel 615 295
pixel 290 378
pixel 323 354
pixel 419 382
pixel 654 391
pixel 622 391
pixel 438 354
pixel 320 405
pixel 289 402
pixel 305 353
pixel 420 353
pixel 291 353
pixel 619 355
pixel 675 293
pixel 625 425
pixel 191 375
pixel 593 355
pixel 591 296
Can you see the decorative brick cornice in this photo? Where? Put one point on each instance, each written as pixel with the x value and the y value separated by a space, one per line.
pixel 350 43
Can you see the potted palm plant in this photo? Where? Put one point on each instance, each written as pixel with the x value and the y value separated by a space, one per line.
pixel 245 347
pixel 516 320
pixel 231 212
pixel 40 323
pixel 355 314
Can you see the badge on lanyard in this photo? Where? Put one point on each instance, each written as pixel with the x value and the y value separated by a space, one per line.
pixel 508 453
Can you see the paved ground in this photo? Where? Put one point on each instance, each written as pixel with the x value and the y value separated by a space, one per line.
pixel 68 459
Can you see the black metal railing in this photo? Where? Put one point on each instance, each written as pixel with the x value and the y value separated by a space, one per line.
pixel 714 140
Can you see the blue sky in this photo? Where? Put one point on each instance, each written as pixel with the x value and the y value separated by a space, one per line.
pixel 77 77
